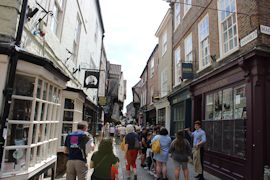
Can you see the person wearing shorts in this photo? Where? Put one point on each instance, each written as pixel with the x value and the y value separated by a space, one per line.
pixel 180 150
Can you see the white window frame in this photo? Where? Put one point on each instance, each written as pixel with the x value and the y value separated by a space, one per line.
pixel 188 49
pixel 221 33
pixel 57 20
pixel 177 14
pixel 203 29
pixel 164 83
pixel 152 67
pixel 42 136
pixel 187 6
pixel 76 42
pixel 164 42
pixel 177 66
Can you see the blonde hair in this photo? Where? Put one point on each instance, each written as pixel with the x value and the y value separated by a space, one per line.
pixel 129 128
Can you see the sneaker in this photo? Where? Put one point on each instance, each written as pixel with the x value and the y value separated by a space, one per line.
pixel 145 168
pixel 151 173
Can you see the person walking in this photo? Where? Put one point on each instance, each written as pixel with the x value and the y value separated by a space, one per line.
pixel 104 162
pixel 180 150
pixel 199 139
pixel 162 157
pixel 131 150
pixel 77 145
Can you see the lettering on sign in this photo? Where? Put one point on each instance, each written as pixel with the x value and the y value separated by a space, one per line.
pixel 265 29
pixel 249 38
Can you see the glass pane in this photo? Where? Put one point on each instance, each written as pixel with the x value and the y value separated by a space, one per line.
pixel 55 95
pixel 67 128
pixel 20 110
pixel 239 102
pixel 227 112
pixel 69 104
pixel 14 160
pixel 32 156
pixel 228 134
pixel 68 116
pixel 45 91
pixel 239 142
pixel 17 134
pixel 218 105
pixel 34 135
pixel 24 85
pixel 39 88
pixel 209 112
pixel 39 153
pixel 50 98
pixel 42 112
pixel 217 140
pixel 40 132
pixel 36 111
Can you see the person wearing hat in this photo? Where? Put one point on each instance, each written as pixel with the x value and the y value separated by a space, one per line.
pixel 199 139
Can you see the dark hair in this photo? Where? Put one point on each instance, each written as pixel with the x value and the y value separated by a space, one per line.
pixel 82 125
pixel 179 141
pixel 163 131
pixel 198 123
pixel 105 146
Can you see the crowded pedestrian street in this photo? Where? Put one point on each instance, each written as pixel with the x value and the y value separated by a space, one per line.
pixel 142 173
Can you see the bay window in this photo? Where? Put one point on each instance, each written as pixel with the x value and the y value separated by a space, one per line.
pixel 33 123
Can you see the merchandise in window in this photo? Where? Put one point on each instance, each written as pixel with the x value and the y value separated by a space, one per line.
pixel 26 131
pixel 227 108
pixel 24 85
pixel 218 105
pixel 209 112
pixel 226 129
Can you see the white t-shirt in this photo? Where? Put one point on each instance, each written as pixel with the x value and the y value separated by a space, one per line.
pixel 112 129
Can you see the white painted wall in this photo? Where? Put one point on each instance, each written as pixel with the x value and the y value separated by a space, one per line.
pixel 54 48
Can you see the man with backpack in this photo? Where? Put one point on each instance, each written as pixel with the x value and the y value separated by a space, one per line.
pixel 77 145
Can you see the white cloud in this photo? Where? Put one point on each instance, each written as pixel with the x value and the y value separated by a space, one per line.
pixel 130 27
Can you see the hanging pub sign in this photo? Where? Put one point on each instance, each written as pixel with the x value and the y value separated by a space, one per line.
pixel 187 71
pixel 91 79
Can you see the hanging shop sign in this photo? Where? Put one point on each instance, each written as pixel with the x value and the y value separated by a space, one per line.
pixel 187 71
pixel 91 79
pixel 102 100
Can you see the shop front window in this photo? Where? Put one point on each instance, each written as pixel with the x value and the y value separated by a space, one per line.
pixel 225 114
pixel 178 117
pixel 30 124
pixel 161 116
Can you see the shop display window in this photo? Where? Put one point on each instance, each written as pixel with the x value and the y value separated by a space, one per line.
pixel 161 116
pixel 179 117
pixel 225 130
pixel 32 123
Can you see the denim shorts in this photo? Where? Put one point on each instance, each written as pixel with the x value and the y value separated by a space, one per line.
pixel 184 165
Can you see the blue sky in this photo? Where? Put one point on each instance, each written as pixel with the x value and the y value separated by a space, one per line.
pixel 130 27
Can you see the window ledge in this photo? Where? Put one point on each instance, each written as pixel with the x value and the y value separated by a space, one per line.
pixel 228 54
pixel 203 68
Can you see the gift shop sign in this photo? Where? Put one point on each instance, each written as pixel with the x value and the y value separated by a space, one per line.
pixel 253 35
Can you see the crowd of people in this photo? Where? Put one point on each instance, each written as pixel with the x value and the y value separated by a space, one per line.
pixel 151 144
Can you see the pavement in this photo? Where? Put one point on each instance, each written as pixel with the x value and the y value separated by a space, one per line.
pixel 142 173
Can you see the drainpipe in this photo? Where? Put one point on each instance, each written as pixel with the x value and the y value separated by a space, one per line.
pixel 13 61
